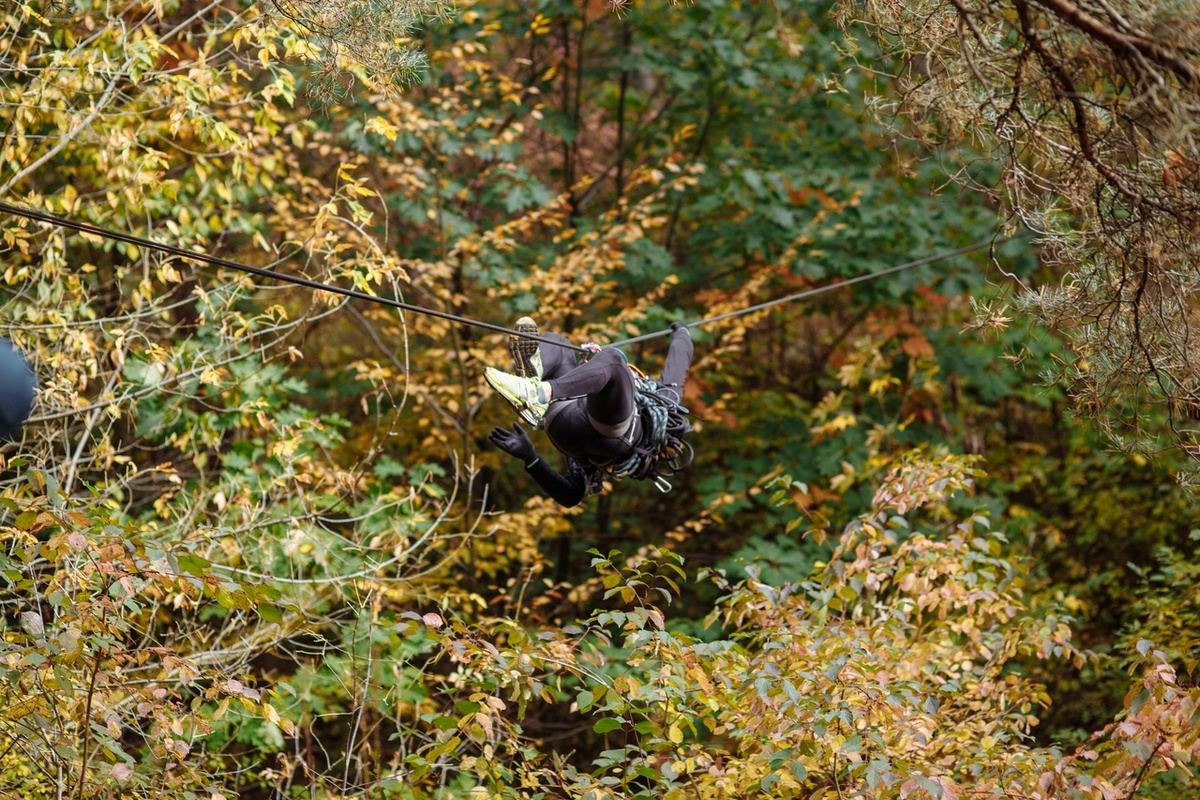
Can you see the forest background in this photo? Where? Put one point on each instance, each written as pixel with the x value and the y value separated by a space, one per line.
pixel 256 542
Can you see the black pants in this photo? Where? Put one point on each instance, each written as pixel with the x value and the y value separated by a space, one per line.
pixel 605 380
pixel 588 402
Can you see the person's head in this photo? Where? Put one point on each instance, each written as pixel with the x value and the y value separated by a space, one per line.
pixel 17 390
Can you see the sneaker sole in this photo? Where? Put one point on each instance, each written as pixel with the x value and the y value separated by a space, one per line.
pixel 525 351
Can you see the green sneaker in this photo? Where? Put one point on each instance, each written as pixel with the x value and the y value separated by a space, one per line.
pixel 520 392
pixel 526 356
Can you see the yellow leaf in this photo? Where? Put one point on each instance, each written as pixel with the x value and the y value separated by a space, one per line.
pixel 880 385
pixel 843 421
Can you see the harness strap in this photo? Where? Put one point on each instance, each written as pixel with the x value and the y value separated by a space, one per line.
pixel 663 452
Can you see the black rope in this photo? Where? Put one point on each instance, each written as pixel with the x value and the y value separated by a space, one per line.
pixel 83 227
pixel 105 233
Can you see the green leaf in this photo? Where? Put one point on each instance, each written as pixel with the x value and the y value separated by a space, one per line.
pixel 193 564
pixel 606 725
pixel 1139 700
pixel 1140 749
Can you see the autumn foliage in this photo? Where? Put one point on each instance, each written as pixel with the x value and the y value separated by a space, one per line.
pixel 256 544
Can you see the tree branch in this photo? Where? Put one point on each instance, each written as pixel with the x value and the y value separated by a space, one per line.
pixel 1122 44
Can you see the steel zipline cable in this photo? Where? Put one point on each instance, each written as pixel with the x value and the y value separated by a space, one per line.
pixel 179 252
pixel 920 262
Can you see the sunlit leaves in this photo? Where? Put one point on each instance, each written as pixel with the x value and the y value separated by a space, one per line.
pixel 888 670
pixel 183 467
pixel 250 482
pixel 99 580
pixel 365 39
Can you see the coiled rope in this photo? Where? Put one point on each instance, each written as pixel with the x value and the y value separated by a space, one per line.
pixel 664 452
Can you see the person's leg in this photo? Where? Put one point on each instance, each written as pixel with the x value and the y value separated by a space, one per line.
pixel 556 361
pixel 606 381
pixel 533 363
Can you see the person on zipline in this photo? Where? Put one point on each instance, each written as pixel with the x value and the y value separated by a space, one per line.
pixel 605 418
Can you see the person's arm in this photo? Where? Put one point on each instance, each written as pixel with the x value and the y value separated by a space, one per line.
pixel 566 490
pixel 679 358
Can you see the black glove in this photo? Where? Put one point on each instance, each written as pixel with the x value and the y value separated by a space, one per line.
pixel 515 442
pixel 677 326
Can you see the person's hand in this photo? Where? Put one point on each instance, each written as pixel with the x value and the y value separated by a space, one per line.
pixel 515 442
pixel 678 326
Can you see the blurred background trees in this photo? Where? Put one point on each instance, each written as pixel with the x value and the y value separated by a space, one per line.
pixel 1087 109
pixel 256 542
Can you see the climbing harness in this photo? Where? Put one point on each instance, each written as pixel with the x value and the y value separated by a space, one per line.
pixel 662 452
pixel 118 236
